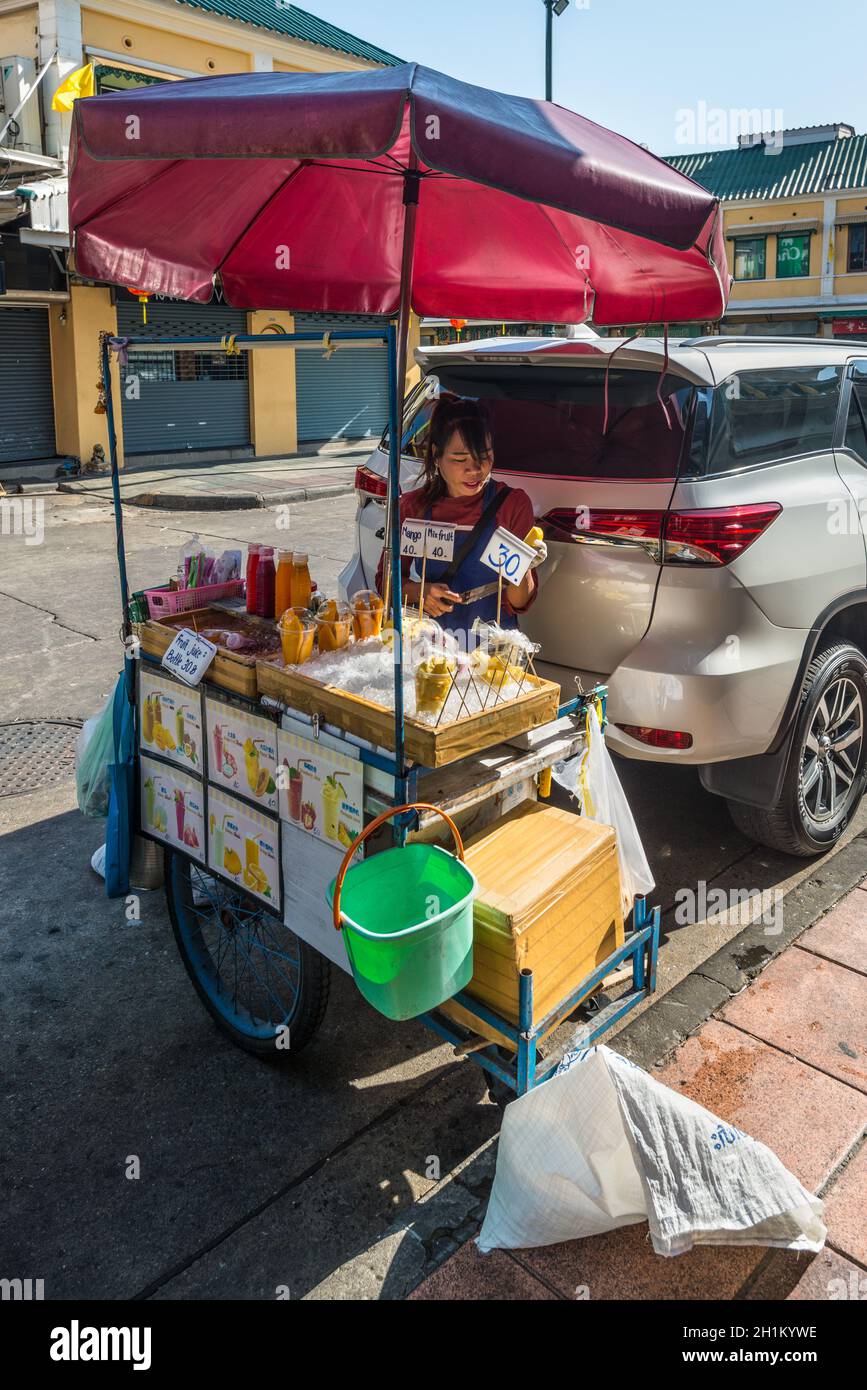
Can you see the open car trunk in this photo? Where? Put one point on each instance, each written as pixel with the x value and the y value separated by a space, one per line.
pixel 599 459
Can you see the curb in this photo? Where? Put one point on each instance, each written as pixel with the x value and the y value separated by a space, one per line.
pixel 451 1214
pixel 223 501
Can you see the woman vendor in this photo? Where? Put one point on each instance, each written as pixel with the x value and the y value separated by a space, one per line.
pixel 458 490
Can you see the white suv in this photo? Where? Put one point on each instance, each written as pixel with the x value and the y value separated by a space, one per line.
pixel 706 557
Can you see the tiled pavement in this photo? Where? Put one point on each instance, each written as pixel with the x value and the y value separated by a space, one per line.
pixel 786 1061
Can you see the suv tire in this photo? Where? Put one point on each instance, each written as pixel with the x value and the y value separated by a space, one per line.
pixel 827 766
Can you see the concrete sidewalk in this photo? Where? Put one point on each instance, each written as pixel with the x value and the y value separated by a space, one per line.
pixel 785 1060
pixel 226 484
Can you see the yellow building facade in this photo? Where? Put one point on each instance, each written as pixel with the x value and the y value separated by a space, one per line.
pixel 795 222
pixel 133 43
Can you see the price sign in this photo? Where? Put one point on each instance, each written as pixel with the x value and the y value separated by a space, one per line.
pixel 412 538
pixel 418 538
pixel 507 555
pixel 189 656
pixel 440 541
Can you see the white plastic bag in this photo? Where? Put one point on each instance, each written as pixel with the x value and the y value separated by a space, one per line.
pixel 603 1144
pixel 592 779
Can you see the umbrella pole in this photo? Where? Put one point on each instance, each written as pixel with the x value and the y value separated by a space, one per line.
pixel 115 487
pixel 397 390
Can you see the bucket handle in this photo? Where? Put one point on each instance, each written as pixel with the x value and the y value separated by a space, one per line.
pixel 374 825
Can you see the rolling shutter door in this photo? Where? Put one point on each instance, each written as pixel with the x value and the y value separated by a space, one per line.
pixel 344 396
pixel 183 399
pixel 26 401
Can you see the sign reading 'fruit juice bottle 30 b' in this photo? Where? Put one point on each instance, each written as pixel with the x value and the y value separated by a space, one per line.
pixel 170 720
pixel 242 753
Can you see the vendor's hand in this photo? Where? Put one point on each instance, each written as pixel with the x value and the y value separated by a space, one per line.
pixel 439 599
pixel 541 555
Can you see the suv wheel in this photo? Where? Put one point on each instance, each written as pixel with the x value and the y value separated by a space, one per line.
pixel 827 768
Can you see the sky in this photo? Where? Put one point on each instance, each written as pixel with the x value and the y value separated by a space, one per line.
pixel 670 74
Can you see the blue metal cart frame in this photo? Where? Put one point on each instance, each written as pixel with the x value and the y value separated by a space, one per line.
pixel 642 942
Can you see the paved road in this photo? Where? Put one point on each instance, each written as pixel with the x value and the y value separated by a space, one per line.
pixel 252 1178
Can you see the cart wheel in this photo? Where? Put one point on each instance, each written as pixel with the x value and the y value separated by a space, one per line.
pixel 264 987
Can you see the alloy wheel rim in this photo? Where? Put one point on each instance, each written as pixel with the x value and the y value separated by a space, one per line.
pixel 831 758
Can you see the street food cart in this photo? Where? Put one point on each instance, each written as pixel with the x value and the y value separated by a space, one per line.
pixel 376 193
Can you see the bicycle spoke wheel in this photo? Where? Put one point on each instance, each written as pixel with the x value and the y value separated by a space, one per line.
pixel 264 986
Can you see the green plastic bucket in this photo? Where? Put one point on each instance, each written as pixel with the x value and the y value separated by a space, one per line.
pixel 407 921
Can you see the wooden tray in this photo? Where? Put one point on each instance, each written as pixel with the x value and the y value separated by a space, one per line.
pixel 231 670
pixel 425 745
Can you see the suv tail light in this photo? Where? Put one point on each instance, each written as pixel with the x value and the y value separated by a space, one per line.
pixel 710 536
pixel 370 483
pixel 658 738
pixel 716 535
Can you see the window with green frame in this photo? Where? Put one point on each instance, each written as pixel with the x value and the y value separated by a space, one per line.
pixel 793 255
pixel 750 257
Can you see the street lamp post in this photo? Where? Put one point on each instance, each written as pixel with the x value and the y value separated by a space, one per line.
pixel 552 7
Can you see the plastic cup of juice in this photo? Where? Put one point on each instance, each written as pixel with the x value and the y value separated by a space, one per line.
pixel 333 626
pixel 367 610
pixel 297 630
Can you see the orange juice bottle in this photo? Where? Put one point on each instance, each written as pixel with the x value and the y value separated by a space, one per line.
pixel 301 586
pixel 283 583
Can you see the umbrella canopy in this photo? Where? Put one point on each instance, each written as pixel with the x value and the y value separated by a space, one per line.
pixel 293 189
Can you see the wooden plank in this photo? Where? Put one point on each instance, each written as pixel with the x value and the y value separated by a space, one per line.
pixel 425 745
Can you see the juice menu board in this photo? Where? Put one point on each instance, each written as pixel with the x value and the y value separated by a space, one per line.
pixel 173 807
pixel 242 753
pixel 170 720
pixel 321 790
pixel 244 845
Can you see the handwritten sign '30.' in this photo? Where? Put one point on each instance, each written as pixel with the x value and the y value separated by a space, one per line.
pixel 418 538
pixel 507 555
pixel 189 656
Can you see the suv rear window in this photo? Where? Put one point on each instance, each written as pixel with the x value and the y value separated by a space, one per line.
pixel 758 417
pixel 549 423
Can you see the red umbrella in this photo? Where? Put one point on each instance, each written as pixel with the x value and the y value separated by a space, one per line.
pixel 294 190
pixel 377 192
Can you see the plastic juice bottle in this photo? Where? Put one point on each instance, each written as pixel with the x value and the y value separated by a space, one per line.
pixel 301 585
pixel 331 794
pixel 252 567
pixel 265 577
pixel 179 727
pixel 283 583
pixel 180 809
pixel 147 722
pixel 251 850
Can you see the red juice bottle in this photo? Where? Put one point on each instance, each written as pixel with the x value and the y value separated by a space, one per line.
pixel 265 580
pixel 252 567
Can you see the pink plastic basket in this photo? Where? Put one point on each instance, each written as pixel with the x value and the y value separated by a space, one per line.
pixel 162 602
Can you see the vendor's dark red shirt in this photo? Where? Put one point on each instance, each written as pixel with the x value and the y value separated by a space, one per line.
pixel 515 514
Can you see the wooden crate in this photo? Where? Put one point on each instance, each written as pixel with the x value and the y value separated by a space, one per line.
pixel 230 670
pixel 548 901
pixel 425 745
